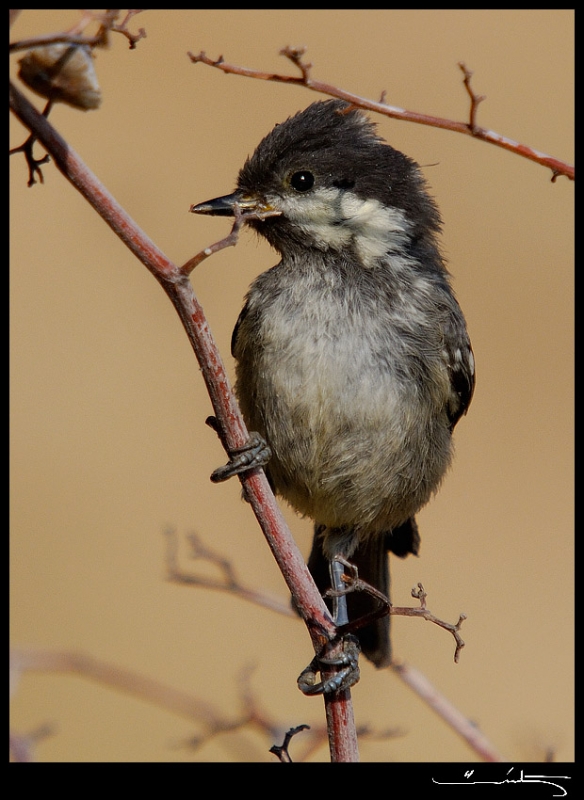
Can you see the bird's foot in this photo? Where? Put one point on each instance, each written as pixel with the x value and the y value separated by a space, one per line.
pixel 254 453
pixel 346 675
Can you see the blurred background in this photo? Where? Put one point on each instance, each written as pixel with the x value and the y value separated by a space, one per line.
pixel 108 443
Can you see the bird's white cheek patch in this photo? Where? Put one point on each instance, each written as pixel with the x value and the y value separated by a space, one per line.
pixel 376 229
pixel 318 213
pixel 335 219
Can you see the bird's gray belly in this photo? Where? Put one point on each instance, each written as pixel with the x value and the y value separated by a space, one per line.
pixel 352 444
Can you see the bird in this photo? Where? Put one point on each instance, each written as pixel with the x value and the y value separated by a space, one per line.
pixel 353 360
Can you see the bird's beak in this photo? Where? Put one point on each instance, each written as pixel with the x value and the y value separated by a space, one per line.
pixel 225 206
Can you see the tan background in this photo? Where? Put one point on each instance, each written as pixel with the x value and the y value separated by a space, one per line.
pixel 108 440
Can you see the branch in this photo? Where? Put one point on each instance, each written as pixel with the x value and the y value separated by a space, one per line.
pixel 175 701
pixel 176 284
pixel 295 54
pixel 73 663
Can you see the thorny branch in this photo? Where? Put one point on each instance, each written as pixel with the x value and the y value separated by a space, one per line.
pixel 295 54
pixel 338 706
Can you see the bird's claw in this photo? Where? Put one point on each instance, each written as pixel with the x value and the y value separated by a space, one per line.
pixel 345 677
pixel 254 453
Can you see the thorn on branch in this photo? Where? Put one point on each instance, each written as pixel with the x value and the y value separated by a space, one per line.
pixel 475 99
pixel 294 54
pixel 282 751
pixel 203 58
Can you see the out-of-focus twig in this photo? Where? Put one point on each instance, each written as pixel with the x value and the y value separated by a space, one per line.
pixel 228 582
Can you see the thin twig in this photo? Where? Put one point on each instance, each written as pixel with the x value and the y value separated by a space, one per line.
pixel 33 164
pixel 475 99
pixel 281 751
pixel 354 583
pixel 424 613
pixel 294 54
pixel 241 217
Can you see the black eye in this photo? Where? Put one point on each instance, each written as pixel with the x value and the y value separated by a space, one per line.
pixel 302 181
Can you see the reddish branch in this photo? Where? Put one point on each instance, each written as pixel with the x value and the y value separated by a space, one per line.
pixel 470 128
pixel 176 284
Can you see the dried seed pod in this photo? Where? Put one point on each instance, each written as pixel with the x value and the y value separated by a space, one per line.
pixel 63 73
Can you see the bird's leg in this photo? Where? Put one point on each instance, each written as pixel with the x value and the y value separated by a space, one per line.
pixel 351 582
pixel 347 661
pixel 339 593
pixel 254 453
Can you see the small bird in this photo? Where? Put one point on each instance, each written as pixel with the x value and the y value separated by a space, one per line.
pixel 353 360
